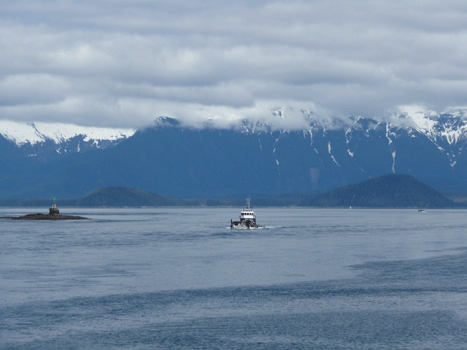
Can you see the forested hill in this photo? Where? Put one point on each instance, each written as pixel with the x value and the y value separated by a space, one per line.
pixel 113 196
pixel 120 196
pixel 389 191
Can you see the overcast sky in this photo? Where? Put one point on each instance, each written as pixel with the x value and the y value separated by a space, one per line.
pixel 124 63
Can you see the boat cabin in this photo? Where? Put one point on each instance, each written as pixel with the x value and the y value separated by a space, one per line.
pixel 247 214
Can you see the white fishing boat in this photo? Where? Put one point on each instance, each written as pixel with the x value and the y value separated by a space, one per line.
pixel 247 218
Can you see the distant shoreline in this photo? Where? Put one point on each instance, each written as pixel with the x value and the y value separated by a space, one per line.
pixel 388 191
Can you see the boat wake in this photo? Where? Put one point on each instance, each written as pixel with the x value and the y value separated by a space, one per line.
pixel 239 227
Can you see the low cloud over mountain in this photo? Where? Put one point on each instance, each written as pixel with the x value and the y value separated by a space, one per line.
pixel 177 160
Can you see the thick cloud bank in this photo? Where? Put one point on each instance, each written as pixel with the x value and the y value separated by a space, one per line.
pixel 124 63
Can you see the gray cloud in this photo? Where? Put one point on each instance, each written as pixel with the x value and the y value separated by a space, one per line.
pixel 125 63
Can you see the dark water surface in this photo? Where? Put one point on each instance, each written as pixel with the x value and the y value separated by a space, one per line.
pixel 181 279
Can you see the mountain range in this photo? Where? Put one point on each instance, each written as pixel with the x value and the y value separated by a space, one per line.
pixel 249 158
pixel 54 140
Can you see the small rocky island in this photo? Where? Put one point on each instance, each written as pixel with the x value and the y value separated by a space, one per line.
pixel 54 214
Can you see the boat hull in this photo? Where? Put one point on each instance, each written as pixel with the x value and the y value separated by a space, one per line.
pixel 245 225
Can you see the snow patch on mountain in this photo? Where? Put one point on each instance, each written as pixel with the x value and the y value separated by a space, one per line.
pixel 423 119
pixel 448 130
pixel 329 151
pixel 450 127
pixel 23 133
pixel 388 134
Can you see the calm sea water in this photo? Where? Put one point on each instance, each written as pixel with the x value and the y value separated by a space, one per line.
pixel 182 279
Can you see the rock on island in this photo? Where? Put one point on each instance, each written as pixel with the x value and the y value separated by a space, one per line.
pixel 54 214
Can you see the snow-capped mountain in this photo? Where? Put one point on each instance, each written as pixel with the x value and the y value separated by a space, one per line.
pixel 448 130
pixel 42 139
pixel 172 159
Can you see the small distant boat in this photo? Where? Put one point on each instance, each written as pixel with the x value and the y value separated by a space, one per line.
pixel 421 210
pixel 247 218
